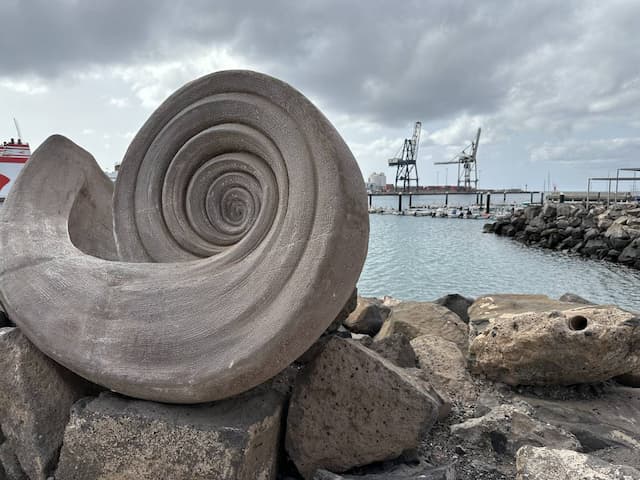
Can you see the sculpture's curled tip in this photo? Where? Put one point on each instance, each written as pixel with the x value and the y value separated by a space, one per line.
pixel 239 231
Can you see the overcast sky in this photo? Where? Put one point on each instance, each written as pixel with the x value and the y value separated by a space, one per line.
pixel 555 85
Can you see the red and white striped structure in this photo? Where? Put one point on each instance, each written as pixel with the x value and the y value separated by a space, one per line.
pixel 13 156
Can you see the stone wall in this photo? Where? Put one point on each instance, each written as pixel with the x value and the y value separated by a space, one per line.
pixel 611 233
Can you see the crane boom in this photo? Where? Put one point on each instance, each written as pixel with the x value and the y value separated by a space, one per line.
pixel 17 127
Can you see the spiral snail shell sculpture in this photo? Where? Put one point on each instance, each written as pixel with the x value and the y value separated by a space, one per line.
pixel 235 234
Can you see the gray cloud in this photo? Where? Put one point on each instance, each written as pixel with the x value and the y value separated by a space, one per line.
pixel 542 73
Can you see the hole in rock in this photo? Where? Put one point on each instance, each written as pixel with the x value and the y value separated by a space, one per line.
pixel 577 322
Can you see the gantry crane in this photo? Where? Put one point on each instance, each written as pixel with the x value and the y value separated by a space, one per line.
pixel 405 161
pixel 468 174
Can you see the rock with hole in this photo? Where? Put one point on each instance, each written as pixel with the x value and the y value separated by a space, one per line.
pixel 577 345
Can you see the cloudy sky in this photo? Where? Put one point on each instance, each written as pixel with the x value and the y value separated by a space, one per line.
pixel 555 85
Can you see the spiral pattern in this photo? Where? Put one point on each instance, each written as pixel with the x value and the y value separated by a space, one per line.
pixel 240 227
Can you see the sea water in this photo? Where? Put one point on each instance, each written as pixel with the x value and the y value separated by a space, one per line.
pixel 423 258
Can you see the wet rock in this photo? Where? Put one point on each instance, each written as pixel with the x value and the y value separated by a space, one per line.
pixel 573 298
pixel 506 428
pixel 534 463
pixel 401 472
pixel 579 345
pixel 115 437
pixel 425 318
pixel 368 316
pixel 457 304
pixel 445 365
pixel 351 407
pixel 395 348
pixel 595 246
pixel 35 397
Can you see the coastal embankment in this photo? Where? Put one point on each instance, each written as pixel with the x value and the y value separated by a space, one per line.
pixel 602 232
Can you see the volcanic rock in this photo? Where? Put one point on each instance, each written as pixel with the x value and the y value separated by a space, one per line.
pixel 534 463
pixel 445 365
pixel 352 407
pixel 115 437
pixel 506 428
pixel 395 348
pixel 368 316
pixel 579 345
pixel 414 319
pixel 35 397
pixel 457 304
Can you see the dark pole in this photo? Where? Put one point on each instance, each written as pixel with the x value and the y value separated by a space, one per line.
pixel 410 201
pixel 446 199
pixel 531 198
pixel 504 198
pixel 541 198
pixel 370 200
pixel 400 202
pixel 488 202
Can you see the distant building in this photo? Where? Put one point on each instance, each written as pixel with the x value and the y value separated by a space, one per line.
pixel 377 181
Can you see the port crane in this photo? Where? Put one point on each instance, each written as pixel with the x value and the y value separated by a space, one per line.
pixel 467 165
pixel 405 161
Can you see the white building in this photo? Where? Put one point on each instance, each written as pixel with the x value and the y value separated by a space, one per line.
pixel 379 180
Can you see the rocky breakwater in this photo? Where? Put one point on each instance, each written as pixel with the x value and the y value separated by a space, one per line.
pixel 611 233
pixel 493 388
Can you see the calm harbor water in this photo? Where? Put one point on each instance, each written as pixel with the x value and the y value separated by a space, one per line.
pixel 423 258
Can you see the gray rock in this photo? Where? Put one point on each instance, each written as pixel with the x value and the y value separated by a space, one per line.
pixel 252 265
pixel 605 421
pixel 457 304
pixel 397 349
pixel 10 468
pixel 401 472
pixel 631 254
pixel 351 407
pixel 114 437
pixel 368 316
pixel 506 428
pixel 534 463
pixel 35 397
pixel 425 318
pixel 573 298
pixel 446 366
pixel 595 246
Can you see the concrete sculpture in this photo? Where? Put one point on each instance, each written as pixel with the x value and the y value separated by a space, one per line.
pixel 237 232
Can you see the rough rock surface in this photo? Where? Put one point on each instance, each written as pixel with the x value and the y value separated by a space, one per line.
pixel 35 397
pixel 535 463
pixel 425 318
pixel 457 304
pixel 402 472
pixel 367 317
pixel 395 348
pixel 488 307
pixel 506 428
pixel 10 468
pixel 581 345
pixel 351 407
pixel 446 366
pixel 114 437
pixel 603 419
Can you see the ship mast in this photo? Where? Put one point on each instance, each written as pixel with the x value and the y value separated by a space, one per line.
pixel 17 127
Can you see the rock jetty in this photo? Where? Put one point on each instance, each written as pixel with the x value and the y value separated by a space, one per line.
pixel 493 388
pixel 611 233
